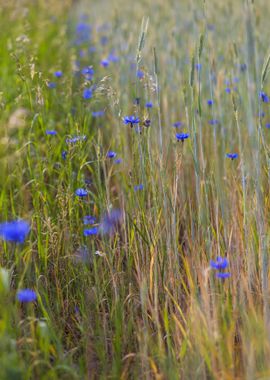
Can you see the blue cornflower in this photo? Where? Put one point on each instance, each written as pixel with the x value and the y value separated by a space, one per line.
pixel 88 72
pixel 138 187
pixel 228 90
pixel 15 231
pixel 177 124
pixel 223 274
pixel 149 105
pixel 64 154
pixel 81 192
pixel 198 66
pixel 113 58
pixel 220 263
pixel 89 219
pixel 51 85
pixel 92 49
pixel 98 113
pixel 58 74
pixel 110 221
pixel 118 161
pixel 75 139
pixel 213 122
pixel 111 154
pixel 210 102
pixel 105 62
pixel 87 93
pixel 26 295
pixel 51 132
pixel 267 125
pixel 263 97
pixel 91 231
pixel 232 156
pixel 140 74
pixel 131 120
pixel 182 136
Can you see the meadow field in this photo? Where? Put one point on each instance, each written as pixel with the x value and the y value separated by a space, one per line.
pixel 134 190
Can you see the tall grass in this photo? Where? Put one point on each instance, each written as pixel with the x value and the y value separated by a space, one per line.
pixel 143 302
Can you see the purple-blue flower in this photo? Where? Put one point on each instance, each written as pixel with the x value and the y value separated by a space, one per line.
pixel 104 62
pixel 26 295
pixel 75 139
pixel 98 113
pixel 15 231
pixel 138 187
pixel 149 105
pixel 140 74
pixel 111 154
pixel 58 74
pixel 210 102
pixel 51 85
pixel 89 219
pixel 91 231
pixel 87 93
pixel 118 161
pixel 223 274
pixel 131 120
pixel 110 221
pixel 51 132
pixel 232 156
pixel 220 263
pixel 177 124
pixel 263 97
pixel 81 192
pixel 182 136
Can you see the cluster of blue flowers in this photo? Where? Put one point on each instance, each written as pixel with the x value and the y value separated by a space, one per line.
pixel 220 265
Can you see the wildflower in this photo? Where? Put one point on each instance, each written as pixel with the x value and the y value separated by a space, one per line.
pixel 64 154
pixel 198 66
pixel 220 263
pixel 88 219
pixel 15 231
pixel 149 105
pixel 140 74
pixel 113 58
pixel 210 102
pixel 131 120
pixel 228 90
pixel 51 132
pixel 147 123
pixel 104 62
pixel 182 136
pixel 26 295
pixel 118 161
pixel 75 139
pixel 88 72
pixel 110 221
pixel 58 74
pixel 232 156
pixel 223 274
pixel 177 124
pixel 138 187
pixel 91 231
pixel 267 125
pixel 81 192
pixel 51 85
pixel 263 97
pixel 111 154
pixel 98 113
pixel 87 93
pixel 213 122
pixel 137 101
